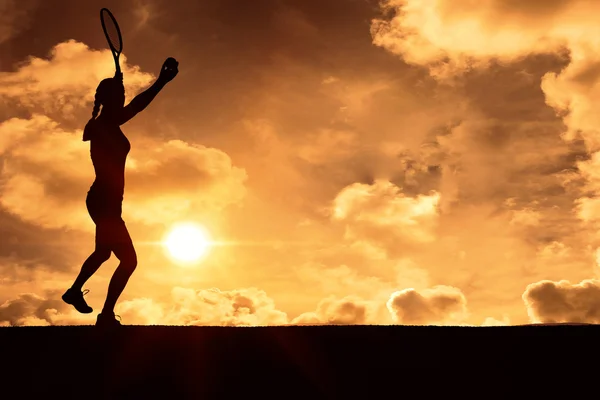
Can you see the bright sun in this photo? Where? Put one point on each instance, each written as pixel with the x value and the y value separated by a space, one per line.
pixel 187 242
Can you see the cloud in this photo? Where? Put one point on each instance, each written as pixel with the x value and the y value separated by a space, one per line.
pixel 417 171
pixel 555 302
pixel 553 251
pixel 329 146
pixel 382 214
pixel 37 185
pixel 574 92
pixel 453 36
pixel 15 17
pixel 144 12
pixel 587 206
pixel 342 279
pixel 240 307
pixel 525 217
pixel 489 321
pixel 168 180
pixel 30 309
pixel 164 180
pixel 308 318
pixel 514 50
pixel 439 305
pixel 364 277
pixel 67 79
pixel 348 310
pixel 211 307
pixel 450 37
pixel 142 311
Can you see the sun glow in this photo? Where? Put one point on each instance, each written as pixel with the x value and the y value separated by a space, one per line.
pixel 187 242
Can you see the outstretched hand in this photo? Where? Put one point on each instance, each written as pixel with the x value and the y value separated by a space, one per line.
pixel 169 70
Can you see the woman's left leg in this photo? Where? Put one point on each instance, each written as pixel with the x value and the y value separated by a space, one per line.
pixel 74 294
pixel 90 266
pixel 123 249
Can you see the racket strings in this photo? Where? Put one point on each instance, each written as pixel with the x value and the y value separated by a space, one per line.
pixel 112 32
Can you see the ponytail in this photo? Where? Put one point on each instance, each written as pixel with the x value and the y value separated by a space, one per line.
pixel 87 131
pixel 96 109
pixel 103 93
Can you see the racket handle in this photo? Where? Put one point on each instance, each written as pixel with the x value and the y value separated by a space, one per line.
pixel 118 70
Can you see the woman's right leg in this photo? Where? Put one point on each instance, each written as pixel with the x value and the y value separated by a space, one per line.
pixel 125 252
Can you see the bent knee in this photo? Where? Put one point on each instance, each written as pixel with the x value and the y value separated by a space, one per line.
pixel 102 255
pixel 130 266
pixel 129 261
pixel 132 263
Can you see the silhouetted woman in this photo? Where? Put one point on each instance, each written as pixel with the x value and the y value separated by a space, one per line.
pixel 109 148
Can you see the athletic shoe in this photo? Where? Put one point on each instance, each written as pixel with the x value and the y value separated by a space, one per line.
pixel 108 320
pixel 75 298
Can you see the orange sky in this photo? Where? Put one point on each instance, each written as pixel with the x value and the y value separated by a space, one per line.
pixel 412 162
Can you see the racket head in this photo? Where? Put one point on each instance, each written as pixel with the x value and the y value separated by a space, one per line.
pixel 111 31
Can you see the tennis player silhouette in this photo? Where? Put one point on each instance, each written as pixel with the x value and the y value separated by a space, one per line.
pixel 109 148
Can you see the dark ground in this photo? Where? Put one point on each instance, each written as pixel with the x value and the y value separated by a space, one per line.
pixel 166 362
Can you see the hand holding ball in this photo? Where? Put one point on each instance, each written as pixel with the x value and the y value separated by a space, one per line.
pixel 169 69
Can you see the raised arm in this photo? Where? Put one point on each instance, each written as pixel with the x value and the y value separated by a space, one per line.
pixel 140 102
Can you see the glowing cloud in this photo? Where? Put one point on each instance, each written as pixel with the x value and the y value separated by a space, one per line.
pixel 67 79
pixel 382 214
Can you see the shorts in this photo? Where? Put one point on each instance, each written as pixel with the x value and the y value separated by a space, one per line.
pixel 105 211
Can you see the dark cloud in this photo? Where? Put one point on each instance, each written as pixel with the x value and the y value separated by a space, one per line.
pixel 33 247
pixel 15 17
pixel 31 309
pixel 438 305
pixel 554 302
pixel 348 310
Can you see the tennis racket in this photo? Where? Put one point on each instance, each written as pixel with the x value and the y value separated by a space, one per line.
pixel 113 36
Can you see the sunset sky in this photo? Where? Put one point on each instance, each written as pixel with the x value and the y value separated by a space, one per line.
pixel 354 161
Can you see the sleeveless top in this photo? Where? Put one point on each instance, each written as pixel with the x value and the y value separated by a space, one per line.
pixel 108 148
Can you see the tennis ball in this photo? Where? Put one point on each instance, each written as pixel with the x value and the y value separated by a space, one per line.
pixel 170 63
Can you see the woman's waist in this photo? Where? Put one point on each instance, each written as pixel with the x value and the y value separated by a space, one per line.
pixel 110 190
